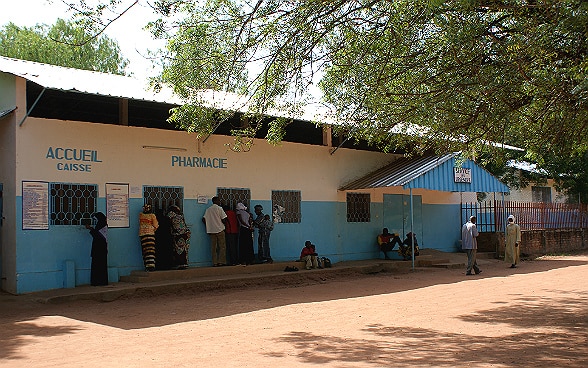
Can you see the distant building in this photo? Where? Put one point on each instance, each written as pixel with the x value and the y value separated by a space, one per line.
pixel 546 193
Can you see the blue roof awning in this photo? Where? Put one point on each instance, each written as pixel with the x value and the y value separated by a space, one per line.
pixel 432 173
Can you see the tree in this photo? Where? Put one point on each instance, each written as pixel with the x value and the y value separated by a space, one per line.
pixel 450 74
pixel 63 44
pixel 441 75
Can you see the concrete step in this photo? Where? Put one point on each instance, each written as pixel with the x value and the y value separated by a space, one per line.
pixel 431 261
pixel 196 273
pixel 201 272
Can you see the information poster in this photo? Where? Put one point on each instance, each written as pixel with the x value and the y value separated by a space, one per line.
pixel 117 205
pixel 35 205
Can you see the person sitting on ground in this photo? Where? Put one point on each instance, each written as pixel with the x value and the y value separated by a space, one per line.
pixel 309 255
pixel 387 241
pixel 405 249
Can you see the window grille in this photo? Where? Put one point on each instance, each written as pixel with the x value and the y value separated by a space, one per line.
pixel 161 198
pixel 541 194
pixel 286 206
pixel 358 207
pixel 72 204
pixel 231 196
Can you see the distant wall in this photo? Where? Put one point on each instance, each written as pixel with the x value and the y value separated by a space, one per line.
pixel 540 242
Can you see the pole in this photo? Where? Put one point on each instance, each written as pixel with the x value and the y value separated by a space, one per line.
pixel 412 228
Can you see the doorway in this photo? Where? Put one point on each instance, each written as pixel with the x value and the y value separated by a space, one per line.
pixel 397 217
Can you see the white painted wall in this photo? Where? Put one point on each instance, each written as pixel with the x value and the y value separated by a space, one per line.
pixel 311 169
pixel 12 95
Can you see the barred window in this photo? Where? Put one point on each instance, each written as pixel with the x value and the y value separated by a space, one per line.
pixel 72 204
pixel 541 194
pixel 231 196
pixel 358 207
pixel 286 206
pixel 161 198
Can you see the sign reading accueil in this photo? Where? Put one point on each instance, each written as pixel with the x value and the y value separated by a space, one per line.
pixel 73 159
pixel 462 175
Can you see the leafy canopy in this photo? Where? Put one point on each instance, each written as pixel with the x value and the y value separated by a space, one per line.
pixel 447 75
pixel 64 44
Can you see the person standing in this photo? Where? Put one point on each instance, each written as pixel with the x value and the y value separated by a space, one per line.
pixel 265 227
pixel 164 242
pixel 245 219
pixel 180 235
pixel 215 219
pixel 512 241
pixel 99 253
pixel 232 236
pixel 469 233
pixel 148 224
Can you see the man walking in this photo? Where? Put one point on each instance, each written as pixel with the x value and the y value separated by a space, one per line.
pixel 214 219
pixel 469 233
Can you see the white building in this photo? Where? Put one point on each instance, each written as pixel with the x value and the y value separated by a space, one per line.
pixel 75 142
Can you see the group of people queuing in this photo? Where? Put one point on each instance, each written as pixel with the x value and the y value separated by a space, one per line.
pixel 469 243
pixel 165 238
pixel 387 241
pixel 231 240
pixel 231 234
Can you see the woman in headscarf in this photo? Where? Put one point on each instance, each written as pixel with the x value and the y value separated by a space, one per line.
pixel 181 236
pixel 99 268
pixel 245 219
pixel 147 226
pixel 513 239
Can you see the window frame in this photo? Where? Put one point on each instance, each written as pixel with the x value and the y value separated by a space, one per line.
pixel 159 202
pixel 292 213
pixel 75 211
pixel 357 208
pixel 231 196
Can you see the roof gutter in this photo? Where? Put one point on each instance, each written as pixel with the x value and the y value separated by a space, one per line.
pixel 4 113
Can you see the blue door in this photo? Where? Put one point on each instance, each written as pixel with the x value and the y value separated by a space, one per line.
pixel 397 217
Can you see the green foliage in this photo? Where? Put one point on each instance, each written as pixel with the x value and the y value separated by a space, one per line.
pixel 570 172
pixel 64 44
pixel 420 75
pixel 448 75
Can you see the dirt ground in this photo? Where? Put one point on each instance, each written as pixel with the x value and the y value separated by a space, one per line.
pixel 532 316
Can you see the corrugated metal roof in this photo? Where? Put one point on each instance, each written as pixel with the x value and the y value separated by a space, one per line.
pixel 85 81
pixel 429 172
pixel 118 86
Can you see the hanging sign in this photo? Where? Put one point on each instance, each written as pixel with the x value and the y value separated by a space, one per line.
pixel 462 175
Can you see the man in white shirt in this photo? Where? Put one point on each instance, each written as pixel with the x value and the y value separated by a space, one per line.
pixel 214 219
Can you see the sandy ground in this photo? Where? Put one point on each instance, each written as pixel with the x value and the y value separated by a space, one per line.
pixel 532 316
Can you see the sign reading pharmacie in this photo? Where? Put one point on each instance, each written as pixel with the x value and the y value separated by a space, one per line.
pixel 462 175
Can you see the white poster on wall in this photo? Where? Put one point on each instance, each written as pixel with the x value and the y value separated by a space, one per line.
pixel 462 175
pixel 117 205
pixel 35 205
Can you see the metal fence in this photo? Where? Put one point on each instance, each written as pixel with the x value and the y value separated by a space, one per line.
pixel 491 215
